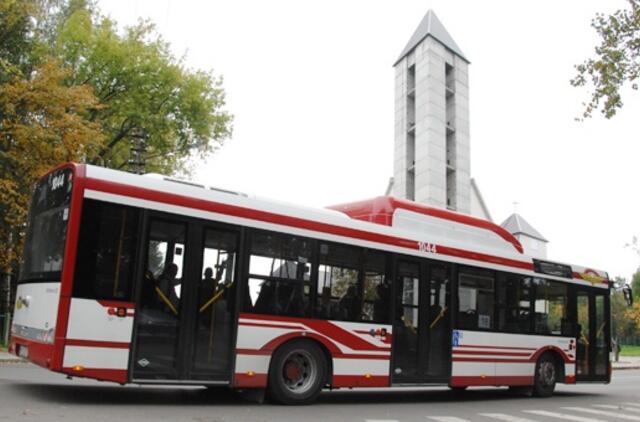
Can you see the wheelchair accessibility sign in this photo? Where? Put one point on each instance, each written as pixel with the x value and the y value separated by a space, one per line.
pixel 455 338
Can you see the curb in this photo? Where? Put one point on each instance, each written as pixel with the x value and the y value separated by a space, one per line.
pixel 624 368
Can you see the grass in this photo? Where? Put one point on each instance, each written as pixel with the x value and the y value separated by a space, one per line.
pixel 630 350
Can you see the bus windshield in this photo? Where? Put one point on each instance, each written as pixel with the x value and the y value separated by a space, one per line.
pixel 47 228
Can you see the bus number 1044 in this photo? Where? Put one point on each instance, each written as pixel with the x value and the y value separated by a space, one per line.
pixel 427 247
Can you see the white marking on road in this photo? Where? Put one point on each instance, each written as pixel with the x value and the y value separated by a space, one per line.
pixel 604 413
pixel 563 416
pixel 626 408
pixel 628 403
pixel 381 420
pixel 447 419
pixel 505 417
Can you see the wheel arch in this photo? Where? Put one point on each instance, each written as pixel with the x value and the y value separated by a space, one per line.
pixel 326 346
pixel 559 357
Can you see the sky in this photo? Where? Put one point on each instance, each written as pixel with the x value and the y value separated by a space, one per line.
pixel 310 85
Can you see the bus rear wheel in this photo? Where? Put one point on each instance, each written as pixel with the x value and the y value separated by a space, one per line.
pixel 546 376
pixel 297 373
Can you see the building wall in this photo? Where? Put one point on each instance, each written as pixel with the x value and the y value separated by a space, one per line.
pixel 439 151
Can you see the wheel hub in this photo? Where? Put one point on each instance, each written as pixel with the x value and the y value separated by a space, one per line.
pixel 292 371
pixel 299 371
pixel 547 373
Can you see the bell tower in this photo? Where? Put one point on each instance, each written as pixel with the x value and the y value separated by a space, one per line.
pixel 431 148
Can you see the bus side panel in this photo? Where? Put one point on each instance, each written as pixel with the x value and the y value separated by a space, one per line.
pixel 99 339
pixel 360 352
pixel 34 321
pixel 485 358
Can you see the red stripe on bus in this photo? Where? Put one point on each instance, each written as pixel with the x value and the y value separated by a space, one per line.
pixel 97 343
pixel 289 221
pixel 116 375
pixel 461 381
pixel 39 353
pixel 489 360
pixel 326 328
pixel 69 263
pixel 495 347
pixel 499 360
pixel 241 380
pixel 360 381
pixel 484 352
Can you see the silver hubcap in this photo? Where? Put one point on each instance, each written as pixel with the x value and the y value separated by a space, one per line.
pixel 547 373
pixel 299 371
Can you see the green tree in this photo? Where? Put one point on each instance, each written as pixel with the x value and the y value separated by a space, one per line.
pixel 616 61
pixel 143 90
pixel 42 125
pixel 74 87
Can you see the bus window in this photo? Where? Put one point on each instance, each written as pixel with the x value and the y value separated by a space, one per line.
pixel 475 299
pixel 339 295
pixel 279 274
pixel 550 306
pixel 106 251
pixel 514 303
pixel 163 275
pixel 377 292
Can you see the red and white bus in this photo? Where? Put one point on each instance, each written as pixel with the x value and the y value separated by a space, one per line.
pixel 150 280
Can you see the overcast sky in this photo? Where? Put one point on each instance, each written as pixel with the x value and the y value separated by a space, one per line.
pixel 311 87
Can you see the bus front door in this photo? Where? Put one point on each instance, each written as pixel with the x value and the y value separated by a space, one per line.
pixel 184 316
pixel 422 323
pixel 592 348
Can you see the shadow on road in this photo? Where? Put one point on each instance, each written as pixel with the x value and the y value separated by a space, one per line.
pixel 172 396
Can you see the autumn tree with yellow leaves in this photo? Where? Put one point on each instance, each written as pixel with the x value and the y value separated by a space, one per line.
pixel 43 125
pixel 75 87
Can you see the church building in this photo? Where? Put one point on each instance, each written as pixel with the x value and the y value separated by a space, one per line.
pixel 432 161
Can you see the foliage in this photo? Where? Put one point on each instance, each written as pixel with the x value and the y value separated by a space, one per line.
pixel 16 41
pixel 144 92
pixel 616 62
pixel 626 350
pixel 75 87
pixel 42 125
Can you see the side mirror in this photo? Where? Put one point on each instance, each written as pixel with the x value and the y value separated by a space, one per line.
pixel 628 294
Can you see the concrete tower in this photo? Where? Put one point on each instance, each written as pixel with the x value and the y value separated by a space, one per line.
pixel 431 156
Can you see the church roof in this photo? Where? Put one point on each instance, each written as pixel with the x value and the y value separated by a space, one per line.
pixel 430 26
pixel 515 224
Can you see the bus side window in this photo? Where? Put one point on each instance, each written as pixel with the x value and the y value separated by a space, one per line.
pixel 475 299
pixel 339 296
pixel 279 275
pixel 106 251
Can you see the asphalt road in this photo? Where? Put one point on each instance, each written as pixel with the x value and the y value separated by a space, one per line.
pixel 28 393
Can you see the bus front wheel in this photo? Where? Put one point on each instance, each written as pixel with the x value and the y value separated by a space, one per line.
pixel 297 373
pixel 546 376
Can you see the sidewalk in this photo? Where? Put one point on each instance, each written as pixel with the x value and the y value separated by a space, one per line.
pixel 627 362
pixel 7 358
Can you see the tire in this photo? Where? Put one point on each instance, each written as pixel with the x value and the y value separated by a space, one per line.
pixel 458 390
pixel 297 373
pixel 546 376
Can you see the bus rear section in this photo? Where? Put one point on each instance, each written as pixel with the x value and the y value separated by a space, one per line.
pixel 36 322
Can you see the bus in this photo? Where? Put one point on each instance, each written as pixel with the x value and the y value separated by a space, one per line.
pixel 146 279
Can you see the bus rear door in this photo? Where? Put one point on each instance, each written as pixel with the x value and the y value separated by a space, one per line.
pixel 186 303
